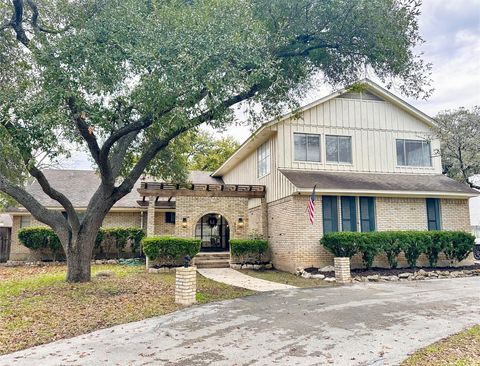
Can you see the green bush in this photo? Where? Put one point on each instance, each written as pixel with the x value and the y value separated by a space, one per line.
pixel 414 243
pixel 459 245
pixel 391 245
pixel 170 251
pixel 249 251
pixel 38 238
pixel 369 246
pixel 115 239
pixel 439 242
pixel 341 244
pixel 109 240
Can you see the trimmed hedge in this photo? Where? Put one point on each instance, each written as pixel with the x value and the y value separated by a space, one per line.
pixel 109 240
pixel 249 251
pixel 170 251
pixel 456 245
pixel 39 237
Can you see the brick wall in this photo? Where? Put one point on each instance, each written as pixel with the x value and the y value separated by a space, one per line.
pixel 294 242
pixel 161 227
pixel 258 220
pixel 113 219
pixel 194 208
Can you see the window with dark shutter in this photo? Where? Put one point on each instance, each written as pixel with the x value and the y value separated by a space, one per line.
pixel 330 214
pixel 170 217
pixel 349 214
pixel 367 213
pixel 433 214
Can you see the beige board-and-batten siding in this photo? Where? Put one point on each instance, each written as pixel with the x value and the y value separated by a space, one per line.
pixel 295 242
pixel 373 125
pixel 19 252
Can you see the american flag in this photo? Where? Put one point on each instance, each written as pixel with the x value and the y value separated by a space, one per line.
pixel 311 206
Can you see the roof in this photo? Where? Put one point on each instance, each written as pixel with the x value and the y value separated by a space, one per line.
pixel 394 183
pixel 80 185
pixel 267 129
pixel 5 220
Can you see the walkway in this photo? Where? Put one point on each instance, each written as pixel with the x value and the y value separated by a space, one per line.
pixel 363 324
pixel 235 278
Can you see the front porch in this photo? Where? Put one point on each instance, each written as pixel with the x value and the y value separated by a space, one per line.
pixel 213 213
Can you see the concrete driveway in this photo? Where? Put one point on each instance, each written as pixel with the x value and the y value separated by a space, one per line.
pixel 362 324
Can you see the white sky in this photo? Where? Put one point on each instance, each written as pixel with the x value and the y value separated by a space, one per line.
pixel 451 29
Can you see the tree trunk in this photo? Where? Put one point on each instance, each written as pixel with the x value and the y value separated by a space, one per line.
pixel 79 262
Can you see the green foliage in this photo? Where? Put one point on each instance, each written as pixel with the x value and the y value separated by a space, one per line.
pixel 459 134
pixel 459 245
pixel 391 244
pixel 369 246
pixel 38 238
pixel 341 244
pixel 170 251
pixel 414 243
pixel 456 245
pixel 117 238
pixel 249 250
pixel 108 241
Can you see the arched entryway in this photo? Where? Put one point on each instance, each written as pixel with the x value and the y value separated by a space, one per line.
pixel 214 232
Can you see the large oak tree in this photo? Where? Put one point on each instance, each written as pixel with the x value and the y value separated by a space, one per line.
pixel 124 79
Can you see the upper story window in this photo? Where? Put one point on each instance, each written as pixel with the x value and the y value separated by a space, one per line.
pixel 413 153
pixel 306 147
pixel 263 160
pixel 339 149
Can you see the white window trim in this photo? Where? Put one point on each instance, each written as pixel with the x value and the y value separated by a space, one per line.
pixel 267 159
pixel 320 142
pixel 406 166
pixel 344 163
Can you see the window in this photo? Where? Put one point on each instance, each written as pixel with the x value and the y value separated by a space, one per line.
pixel 170 217
pixel 339 149
pixel 413 153
pixel 306 147
pixel 367 213
pixel 330 214
pixel 24 221
pixel 433 214
pixel 263 160
pixel 349 214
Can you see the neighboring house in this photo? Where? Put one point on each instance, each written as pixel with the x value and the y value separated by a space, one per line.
pixel 5 235
pixel 368 154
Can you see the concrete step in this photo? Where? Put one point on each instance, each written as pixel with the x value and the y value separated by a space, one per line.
pixel 213 264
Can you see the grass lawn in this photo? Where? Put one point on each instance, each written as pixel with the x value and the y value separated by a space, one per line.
pixel 37 306
pixel 285 278
pixel 462 349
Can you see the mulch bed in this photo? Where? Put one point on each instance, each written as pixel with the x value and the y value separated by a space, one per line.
pixel 393 271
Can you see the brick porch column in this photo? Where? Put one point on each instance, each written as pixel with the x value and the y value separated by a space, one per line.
pixel 150 222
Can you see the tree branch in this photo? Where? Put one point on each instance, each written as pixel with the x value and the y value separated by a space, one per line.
pixel 53 219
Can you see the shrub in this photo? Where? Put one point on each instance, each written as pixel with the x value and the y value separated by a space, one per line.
pixel 391 245
pixel 369 245
pixel 170 251
pixel 459 245
pixel 38 238
pixel 115 239
pixel 341 244
pixel 439 241
pixel 414 243
pixel 249 251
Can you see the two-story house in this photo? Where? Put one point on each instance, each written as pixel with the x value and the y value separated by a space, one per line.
pixel 369 154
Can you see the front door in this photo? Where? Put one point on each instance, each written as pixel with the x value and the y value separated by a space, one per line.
pixel 214 232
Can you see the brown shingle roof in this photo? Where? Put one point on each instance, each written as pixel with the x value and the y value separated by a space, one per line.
pixel 376 182
pixel 80 185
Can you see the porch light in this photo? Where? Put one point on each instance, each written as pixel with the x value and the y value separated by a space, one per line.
pixel 184 222
pixel 240 222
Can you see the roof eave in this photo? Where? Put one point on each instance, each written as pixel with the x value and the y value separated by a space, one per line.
pixel 388 193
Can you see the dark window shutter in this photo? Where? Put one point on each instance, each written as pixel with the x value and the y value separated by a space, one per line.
pixel 330 214
pixel 433 214
pixel 367 213
pixel 349 214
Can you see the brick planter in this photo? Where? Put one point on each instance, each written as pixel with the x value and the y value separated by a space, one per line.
pixel 342 269
pixel 186 285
